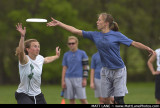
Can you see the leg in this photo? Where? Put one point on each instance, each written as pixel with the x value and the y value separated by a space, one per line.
pixel 112 100
pixel 97 90
pixel 119 100
pixel 23 98
pixel 106 100
pixel 40 99
pixel 106 85
pixel 80 92
pixel 69 92
pixel 72 101
pixel 83 101
pixel 157 101
pixel 101 100
pixel 157 89
pixel 120 88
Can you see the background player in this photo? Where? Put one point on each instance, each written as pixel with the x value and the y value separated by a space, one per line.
pixel 156 73
pixel 95 79
pixel 74 78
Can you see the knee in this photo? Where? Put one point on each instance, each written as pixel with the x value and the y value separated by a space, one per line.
pixel 119 100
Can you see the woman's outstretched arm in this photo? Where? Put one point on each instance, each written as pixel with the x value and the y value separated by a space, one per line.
pixel 71 29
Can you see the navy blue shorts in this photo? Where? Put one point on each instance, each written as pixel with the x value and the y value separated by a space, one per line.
pixel 157 87
pixel 23 98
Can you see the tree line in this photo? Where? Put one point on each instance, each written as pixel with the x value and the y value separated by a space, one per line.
pixel 137 19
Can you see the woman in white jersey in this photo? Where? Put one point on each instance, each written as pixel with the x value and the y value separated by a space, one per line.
pixel 156 73
pixel 30 69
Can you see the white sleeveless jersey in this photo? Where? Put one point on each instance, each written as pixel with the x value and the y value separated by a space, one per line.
pixel 158 59
pixel 30 76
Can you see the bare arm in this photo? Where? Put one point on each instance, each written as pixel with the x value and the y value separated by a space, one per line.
pixel 21 54
pixel 52 58
pixel 63 77
pixel 143 47
pixel 64 26
pixel 150 64
pixel 92 79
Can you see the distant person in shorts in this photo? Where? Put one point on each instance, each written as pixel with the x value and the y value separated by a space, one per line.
pixel 156 73
pixel 75 72
pixel 95 78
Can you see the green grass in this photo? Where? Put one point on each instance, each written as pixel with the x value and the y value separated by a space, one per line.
pixel 139 93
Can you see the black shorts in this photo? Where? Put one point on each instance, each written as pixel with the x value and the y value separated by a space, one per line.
pixel 23 98
pixel 157 87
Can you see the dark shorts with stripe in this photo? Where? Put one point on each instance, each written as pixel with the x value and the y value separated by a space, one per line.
pixel 23 98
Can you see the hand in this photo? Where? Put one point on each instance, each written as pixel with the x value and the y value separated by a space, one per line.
pixel 53 22
pixel 63 85
pixel 21 30
pixel 58 51
pixel 156 73
pixel 92 86
pixel 84 82
pixel 150 51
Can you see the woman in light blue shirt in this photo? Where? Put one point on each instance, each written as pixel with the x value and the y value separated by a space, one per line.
pixel 95 78
pixel 73 82
pixel 96 67
pixel 108 44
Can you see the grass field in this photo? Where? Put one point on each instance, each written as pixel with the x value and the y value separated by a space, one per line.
pixel 139 93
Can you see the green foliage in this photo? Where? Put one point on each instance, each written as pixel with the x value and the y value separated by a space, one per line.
pixel 137 19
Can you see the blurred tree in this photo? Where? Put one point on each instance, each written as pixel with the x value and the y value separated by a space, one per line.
pixel 49 38
pixel 137 19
